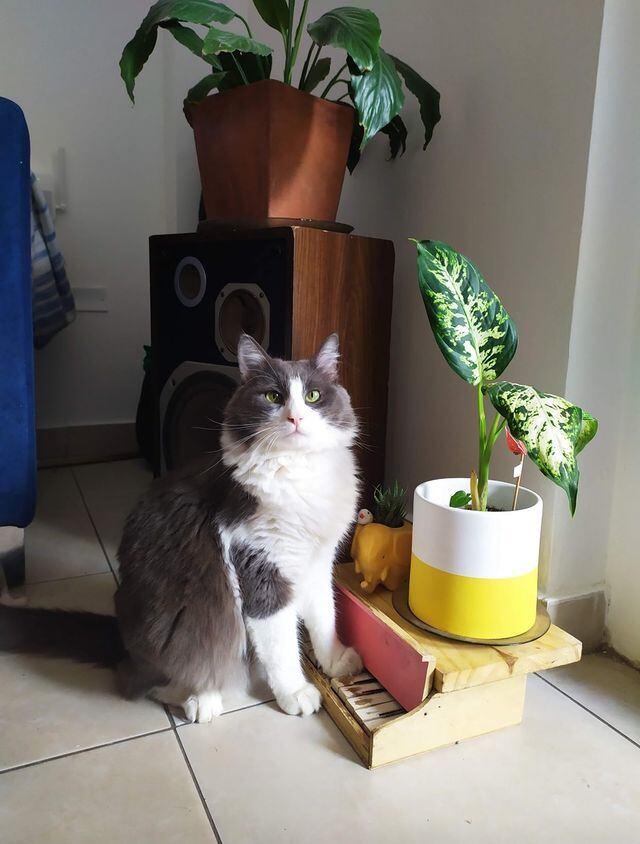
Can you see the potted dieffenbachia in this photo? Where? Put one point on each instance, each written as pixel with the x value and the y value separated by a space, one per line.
pixel 476 544
pixel 269 148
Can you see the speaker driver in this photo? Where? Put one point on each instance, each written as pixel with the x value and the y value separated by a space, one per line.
pixel 192 420
pixel 240 308
pixel 190 281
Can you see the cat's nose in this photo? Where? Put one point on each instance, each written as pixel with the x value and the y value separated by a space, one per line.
pixel 294 419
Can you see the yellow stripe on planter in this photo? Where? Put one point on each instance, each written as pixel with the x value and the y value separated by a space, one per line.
pixel 474 607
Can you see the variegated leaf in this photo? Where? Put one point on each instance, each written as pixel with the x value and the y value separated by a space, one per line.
pixel 474 332
pixel 588 431
pixel 550 427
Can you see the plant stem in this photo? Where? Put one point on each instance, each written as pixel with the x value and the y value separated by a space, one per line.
pixel 240 70
pixel 334 79
pixel 296 43
pixel 249 33
pixel 287 45
pixel 305 66
pixel 483 458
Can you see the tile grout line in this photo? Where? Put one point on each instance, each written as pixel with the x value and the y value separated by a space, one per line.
pixel 227 712
pixel 591 712
pixel 82 750
pixel 93 524
pixel 196 784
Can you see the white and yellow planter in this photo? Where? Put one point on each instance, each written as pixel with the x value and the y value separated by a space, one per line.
pixel 475 574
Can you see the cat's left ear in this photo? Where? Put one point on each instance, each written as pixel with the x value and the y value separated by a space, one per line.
pixel 328 357
pixel 251 356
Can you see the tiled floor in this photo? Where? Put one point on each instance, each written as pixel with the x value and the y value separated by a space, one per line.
pixel 78 764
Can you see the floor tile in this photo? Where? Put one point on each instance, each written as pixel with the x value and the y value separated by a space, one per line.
pixel 53 706
pixel 110 491
pixel 561 776
pixel 61 541
pixel 607 687
pixel 131 793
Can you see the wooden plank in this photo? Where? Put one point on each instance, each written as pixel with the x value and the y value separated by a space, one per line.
pixel 403 671
pixel 460 665
pixel 446 718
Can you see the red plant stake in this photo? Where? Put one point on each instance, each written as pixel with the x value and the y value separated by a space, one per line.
pixel 516 447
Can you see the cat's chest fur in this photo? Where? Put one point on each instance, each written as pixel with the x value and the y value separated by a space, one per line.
pixel 304 505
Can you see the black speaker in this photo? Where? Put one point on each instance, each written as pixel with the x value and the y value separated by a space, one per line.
pixel 205 290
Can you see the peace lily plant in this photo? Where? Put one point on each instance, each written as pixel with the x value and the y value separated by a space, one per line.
pixel 369 77
pixel 478 339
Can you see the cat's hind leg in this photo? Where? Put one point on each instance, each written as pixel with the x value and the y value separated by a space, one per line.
pixel 203 707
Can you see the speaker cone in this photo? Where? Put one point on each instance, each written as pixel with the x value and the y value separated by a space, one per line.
pixel 192 422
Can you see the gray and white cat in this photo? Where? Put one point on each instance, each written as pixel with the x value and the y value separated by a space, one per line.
pixel 218 563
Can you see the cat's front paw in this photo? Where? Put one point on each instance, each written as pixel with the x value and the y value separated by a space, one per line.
pixel 203 708
pixel 304 701
pixel 343 662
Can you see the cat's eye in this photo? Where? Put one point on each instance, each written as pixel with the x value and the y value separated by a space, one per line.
pixel 273 397
pixel 312 397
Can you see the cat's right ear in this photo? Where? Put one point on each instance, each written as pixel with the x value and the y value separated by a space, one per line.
pixel 251 356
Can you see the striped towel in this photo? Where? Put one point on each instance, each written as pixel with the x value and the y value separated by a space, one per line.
pixel 53 305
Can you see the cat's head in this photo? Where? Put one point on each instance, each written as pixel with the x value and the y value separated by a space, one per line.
pixel 288 406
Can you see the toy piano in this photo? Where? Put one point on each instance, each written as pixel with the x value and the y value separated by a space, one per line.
pixel 420 691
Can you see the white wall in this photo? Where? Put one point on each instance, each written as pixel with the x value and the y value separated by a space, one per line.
pixel 503 181
pixel 602 543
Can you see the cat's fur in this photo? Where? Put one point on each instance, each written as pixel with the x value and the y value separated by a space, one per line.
pixel 220 561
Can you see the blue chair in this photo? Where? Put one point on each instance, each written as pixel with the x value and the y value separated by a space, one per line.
pixel 17 421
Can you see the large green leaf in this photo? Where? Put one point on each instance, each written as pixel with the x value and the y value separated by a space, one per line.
pixel 253 67
pixel 377 95
pixel 427 96
pixel 396 131
pixel 204 86
pixel 588 430
pixel 474 332
pixel 355 30
pixel 189 39
pixel 550 427
pixel 138 50
pixel 220 41
pixel 318 72
pixel 275 13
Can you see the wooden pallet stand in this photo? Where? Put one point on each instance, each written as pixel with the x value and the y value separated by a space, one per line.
pixel 430 691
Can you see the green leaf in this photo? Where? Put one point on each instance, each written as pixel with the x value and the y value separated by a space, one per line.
pixel 354 149
pixel 377 96
pixel 588 430
pixel 550 427
pixel 138 50
pixel 427 96
pixel 275 13
pixel 189 39
pixel 202 88
pixel 460 499
pixel 396 131
pixel 474 332
pixel 318 72
pixel 254 68
pixel 355 30
pixel 221 41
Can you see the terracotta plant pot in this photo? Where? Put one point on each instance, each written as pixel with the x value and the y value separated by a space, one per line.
pixel 381 555
pixel 270 150
pixel 475 574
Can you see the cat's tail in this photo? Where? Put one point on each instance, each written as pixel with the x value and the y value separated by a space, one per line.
pixel 83 636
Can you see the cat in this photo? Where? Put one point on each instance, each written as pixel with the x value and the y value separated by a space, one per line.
pixel 225 562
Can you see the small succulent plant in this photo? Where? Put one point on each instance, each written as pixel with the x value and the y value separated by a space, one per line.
pixel 390 507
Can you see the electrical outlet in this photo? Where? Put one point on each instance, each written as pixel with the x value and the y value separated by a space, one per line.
pixel 91 299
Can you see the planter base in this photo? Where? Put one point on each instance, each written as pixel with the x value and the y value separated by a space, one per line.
pixel 428 692
pixel 540 627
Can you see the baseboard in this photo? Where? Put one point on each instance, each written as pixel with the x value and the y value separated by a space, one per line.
pixel 583 616
pixel 86 444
